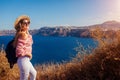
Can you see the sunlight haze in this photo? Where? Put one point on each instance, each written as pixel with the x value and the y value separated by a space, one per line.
pixel 59 12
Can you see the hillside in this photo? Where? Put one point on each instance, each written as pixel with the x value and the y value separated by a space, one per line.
pixel 108 25
pixel 103 63
pixel 74 31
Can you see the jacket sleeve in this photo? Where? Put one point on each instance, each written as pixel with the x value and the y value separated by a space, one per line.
pixel 20 47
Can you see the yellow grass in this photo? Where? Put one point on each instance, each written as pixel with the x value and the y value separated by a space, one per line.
pixel 102 64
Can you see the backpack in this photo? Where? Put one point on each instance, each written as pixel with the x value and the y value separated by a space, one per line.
pixel 11 54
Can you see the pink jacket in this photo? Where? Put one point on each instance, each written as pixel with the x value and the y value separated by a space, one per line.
pixel 24 46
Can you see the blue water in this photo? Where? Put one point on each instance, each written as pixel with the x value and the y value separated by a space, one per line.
pixel 52 49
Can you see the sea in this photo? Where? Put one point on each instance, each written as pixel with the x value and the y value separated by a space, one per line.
pixel 49 49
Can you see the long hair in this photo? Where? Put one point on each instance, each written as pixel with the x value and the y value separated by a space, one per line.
pixel 18 31
pixel 18 27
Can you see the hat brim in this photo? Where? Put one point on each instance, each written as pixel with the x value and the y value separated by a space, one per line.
pixel 19 19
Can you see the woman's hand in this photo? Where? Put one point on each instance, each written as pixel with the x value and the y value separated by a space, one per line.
pixel 29 55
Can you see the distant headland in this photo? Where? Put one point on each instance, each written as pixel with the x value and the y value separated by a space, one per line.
pixel 74 31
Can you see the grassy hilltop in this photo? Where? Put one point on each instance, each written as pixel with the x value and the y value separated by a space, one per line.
pixel 102 64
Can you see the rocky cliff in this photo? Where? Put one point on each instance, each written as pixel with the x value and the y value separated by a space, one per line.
pixel 74 31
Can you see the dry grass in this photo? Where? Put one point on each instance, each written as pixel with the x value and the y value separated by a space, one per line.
pixel 5 72
pixel 102 64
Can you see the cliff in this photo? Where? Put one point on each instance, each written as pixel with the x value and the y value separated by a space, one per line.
pixel 81 31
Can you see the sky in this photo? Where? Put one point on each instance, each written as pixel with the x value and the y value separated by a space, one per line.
pixel 58 12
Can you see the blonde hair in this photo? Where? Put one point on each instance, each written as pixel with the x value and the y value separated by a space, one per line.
pixel 18 28
pixel 19 19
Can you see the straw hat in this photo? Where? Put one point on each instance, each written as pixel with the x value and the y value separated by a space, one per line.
pixel 16 24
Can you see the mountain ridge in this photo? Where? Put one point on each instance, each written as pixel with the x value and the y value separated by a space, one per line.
pixel 74 31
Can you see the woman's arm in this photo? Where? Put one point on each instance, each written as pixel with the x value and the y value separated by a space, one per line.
pixel 20 48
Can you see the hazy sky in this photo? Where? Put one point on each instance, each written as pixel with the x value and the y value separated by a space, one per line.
pixel 58 12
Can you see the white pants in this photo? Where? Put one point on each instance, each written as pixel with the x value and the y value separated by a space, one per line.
pixel 26 68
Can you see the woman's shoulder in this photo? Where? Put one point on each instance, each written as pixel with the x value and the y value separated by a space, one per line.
pixel 30 35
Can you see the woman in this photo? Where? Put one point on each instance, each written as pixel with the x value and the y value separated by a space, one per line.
pixel 23 43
